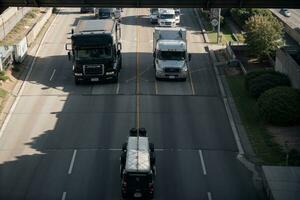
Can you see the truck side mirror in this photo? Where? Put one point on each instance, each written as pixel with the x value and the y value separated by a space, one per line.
pixel 69 55
pixel 153 54
pixel 68 46
pixel 119 46
pixel 190 57
pixel 72 31
pixel 124 147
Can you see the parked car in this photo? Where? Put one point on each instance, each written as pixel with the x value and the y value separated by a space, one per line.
pixel 86 10
pixel 153 15
pixel 286 12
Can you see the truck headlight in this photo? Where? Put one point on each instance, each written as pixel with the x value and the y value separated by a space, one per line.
pixel 184 69
pixel 110 73
pixel 159 69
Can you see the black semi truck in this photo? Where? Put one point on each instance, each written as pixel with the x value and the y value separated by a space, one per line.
pixel 96 50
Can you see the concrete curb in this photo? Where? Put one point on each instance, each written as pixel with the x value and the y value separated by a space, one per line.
pixel 226 104
pixel 227 101
pixel 205 36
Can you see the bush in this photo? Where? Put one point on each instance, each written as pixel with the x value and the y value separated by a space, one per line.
pixel 280 106
pixel 3 77
pixel 253 74
pixel 262 83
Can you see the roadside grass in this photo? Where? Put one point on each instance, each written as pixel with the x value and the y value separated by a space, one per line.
pixel 212 32
pixel 268 152
pixel 3 93
pixel 17 33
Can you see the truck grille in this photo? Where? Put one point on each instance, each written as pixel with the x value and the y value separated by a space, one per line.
pixel 168 23
pixel 172 70
pixel 93 69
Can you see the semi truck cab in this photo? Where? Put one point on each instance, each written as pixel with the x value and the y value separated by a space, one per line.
pixel 95 50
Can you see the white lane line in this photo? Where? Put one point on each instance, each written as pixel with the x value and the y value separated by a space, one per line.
pixel 191 81
pixel 52 74
pixel 209 196
pixel 72 162
pixel 64 196
pixel 156 87
pixel 202 162
pixel 118 88
pixel 13 107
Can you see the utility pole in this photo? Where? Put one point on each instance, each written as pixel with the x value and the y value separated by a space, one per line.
pixel 219 26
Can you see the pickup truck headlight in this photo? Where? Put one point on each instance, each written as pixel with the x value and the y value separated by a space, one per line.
pixel 110 73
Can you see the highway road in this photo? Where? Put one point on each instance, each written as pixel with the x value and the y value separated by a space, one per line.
pixel 293 21
pixel 63 141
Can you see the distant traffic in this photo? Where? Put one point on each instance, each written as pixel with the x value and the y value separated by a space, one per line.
pixel 95 47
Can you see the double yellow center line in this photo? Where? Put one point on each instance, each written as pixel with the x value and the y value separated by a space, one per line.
pixel 137 73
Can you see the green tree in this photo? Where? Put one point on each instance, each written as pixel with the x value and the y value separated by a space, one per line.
pixel 241 15
pixel 264 34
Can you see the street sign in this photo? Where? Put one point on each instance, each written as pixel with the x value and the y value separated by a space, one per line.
pixel 214 22
pixel 214 13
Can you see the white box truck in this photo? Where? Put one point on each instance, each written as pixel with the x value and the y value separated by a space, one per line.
pixel 170 56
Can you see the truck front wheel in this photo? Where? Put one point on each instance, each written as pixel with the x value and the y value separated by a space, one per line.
pixel 116 78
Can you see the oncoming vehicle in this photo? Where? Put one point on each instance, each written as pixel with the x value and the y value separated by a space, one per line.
pixel 137 166
pixel 177 16
pixel 153 15
pixel 108 13
pixel 170 57
pixel 166 17
pixel 286 12
pixel 86 10
pixel 104 13
pixel 96 50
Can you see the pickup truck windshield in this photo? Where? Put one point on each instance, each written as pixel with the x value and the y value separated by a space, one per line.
pixel 167 16
pixel 171 55
pixel 91 54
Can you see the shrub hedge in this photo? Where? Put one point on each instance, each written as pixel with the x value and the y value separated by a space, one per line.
pixel 280 106
pixel 260 84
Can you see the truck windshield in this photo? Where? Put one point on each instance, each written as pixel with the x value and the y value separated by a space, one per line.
pixel 167 16
pixel 90 54
pixel 171 55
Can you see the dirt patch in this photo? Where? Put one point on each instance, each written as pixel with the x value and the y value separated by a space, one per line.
pixel 221 55
pixel 232 71
pixel 23 27
pixel 250 62
pixel 289 136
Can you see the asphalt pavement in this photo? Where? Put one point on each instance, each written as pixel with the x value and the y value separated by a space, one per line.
pixel 63 141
